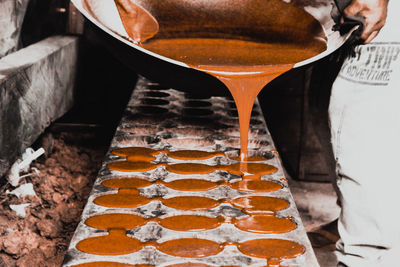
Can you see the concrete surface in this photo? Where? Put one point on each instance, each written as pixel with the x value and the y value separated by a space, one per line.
pixel 36 87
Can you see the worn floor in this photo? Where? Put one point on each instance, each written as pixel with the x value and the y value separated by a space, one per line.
pixel 316 203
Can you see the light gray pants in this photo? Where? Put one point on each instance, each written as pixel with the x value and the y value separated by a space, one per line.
pixel 365 126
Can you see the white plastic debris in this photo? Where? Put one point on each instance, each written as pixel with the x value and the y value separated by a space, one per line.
pixel 23 164
pixel 20 209
pixel 10 230
pixel 23 191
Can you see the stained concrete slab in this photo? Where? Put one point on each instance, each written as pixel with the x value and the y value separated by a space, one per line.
pixel 36 87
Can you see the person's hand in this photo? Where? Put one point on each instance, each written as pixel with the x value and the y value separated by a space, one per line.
pixel 374 12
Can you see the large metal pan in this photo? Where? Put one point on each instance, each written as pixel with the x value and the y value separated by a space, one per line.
pixel 265 20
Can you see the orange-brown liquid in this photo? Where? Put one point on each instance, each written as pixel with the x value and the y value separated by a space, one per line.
pixel 265 224
pixel 115 243
pixel 130 198
pixel 190 247
pixel 110 264
pixel 271 249
pixel 256 186
pixel 244 66
pixel 260 203
pixel 118 243
pixel 131 166
pixel 124 199
pixel 132 151
pixel 250 168
pixel 148 154
pixel 138 23
pixel 191 203
pixel 190 222
pixel 115 220
pixel 191 168
pixel 139 153
pixel 191 185
pixel 248 185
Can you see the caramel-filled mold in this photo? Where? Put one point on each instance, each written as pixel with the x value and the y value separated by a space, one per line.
pixel 249 184
pixel 158 194
pixel 261 223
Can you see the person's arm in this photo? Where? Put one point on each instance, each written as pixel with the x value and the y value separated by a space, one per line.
pixel 374 12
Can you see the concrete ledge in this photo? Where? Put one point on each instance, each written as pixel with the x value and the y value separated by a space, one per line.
pixel 12 14
pixel 36 87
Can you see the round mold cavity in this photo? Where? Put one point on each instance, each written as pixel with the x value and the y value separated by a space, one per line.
pixel 197 112
pixel 152 110
pixel 197 104
pixel 154 101
pixel 156 87
pixel 196 96
pixel 157 94
pixel 255 122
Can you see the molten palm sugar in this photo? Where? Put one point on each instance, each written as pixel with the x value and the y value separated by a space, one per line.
pixel 190 247
pixel 191 168
pixel 256 186
pixel 115 220
pixel 131 151
pixel 244 66
pixel 115 243
pixel 260 203
pixel 139 24
pixel 191 203
pixel 271 249
pixel 131 166
pixel 190 222
pixel 126 183
pixel 250 168
pixel 191 185
pixel 125 198
pixel 265 224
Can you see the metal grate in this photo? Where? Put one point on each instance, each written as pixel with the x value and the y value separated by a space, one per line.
pixel 163 118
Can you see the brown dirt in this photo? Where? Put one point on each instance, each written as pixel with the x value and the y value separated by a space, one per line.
pixel 62 186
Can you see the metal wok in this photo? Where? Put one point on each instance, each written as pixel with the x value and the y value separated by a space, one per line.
pixel 261 20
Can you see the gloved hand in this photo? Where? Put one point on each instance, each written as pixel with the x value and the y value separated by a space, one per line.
pixel 369 15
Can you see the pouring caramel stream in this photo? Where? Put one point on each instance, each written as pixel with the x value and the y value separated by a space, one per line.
pixel 243 63
pixel 245 67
